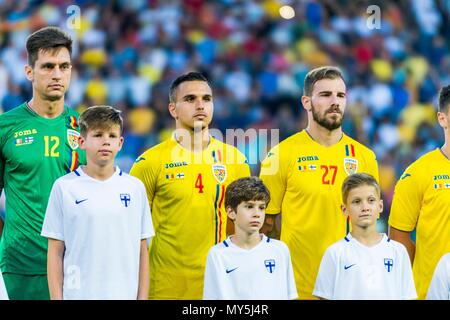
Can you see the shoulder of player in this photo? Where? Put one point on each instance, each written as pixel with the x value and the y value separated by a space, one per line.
pixel 280 245
pixel 154 154
pixel 422 164
pixel 361 147
pixel 12 116
pixel 285 147
pixel 132 180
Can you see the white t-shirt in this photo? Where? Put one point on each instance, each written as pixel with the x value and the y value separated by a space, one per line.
pixel 261 273
pixel 3 293
pixel 102 224
pixel 440 284
pixel 351 270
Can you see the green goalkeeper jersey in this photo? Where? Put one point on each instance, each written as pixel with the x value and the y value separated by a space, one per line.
pixel 34 152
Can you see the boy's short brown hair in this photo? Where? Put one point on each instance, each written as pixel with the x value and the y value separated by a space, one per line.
pixel 100 117
pixel 357 180
pixel 246 189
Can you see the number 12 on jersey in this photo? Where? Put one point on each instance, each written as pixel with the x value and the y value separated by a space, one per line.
pixel 328 172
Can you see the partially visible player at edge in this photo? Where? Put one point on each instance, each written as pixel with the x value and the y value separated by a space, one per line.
pixel 421 202
pixel 304 174
pixel 38 144
pixel 186 177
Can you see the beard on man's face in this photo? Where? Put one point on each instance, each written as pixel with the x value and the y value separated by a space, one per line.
pixel 326 122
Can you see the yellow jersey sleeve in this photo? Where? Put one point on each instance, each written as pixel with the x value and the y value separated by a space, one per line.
pixel 146 168
pixel 274 177
pixel 407 201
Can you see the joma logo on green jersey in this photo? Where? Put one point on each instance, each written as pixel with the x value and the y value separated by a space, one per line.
pixel 24 133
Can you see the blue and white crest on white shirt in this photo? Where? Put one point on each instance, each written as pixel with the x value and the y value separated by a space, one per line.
pixel 389 264
pixel 125 198
pixel 270 265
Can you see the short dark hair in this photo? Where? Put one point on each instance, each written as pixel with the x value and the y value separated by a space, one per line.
pixel 444 99
pixel 100 117
pixel 326 72
pixel 356 180
pixel 246 189
pixel 46 39
pixel 191 76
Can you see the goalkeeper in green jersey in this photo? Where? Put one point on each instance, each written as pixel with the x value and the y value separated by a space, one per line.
pixel 38 144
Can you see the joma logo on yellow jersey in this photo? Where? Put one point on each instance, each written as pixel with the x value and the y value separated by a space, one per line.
pixel 442 177
pixel 176 164
pixel 308 158
pixel 24 133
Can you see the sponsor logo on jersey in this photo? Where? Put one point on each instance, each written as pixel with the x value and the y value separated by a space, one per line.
pixel 125 198
pixel 307 158
pixel 139 159
pixel 406 175
pixel 72 138
pixel 270 265
pixel 230 270
pixel 175 164
pixel 389 264
pixel 441 177
pixel 24 133
pixel 350 166
pixel 219 172
pixel 349 266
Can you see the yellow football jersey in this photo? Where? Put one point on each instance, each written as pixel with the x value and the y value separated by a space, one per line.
pixel 186 195
pixel 422 202
pixel 305 180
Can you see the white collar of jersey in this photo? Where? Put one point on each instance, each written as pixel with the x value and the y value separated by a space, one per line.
pixel 80 172
pixel 349 238
pixel 229 243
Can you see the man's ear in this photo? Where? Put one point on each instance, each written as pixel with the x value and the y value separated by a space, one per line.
pixel 173 110
pixel 29 72
pixel 306 103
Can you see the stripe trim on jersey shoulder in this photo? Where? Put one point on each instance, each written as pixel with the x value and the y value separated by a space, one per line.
pixel 346 239
pixel 76 172
pixel 388 239
pixel 268 239
pixel 120 173
pixel 225 243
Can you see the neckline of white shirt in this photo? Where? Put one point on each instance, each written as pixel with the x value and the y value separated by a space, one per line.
pixel 82 173
pixel 232 244
pixel 384 238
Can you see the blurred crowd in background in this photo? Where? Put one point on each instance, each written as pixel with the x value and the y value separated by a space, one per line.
pixel 127 52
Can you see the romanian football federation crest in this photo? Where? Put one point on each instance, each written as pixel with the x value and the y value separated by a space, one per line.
pixel 219 172
pixel 72 138
pixel 350 165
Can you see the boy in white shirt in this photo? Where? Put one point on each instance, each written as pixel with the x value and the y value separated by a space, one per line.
pixel 98 220
pixel 365 264
pixel 440 284
pixel 248 265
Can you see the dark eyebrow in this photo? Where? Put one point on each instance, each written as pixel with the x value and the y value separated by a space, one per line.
pixel 51 64
pixel 193 96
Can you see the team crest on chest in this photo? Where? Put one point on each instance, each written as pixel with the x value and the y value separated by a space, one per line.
pixel 219 172
pixel 72 138
pixel 350 166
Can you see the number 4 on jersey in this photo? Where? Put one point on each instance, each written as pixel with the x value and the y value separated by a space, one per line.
pixel 199 183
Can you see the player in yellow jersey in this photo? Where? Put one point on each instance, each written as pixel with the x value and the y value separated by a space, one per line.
pixel 422 201
pixel 186 177
pixel 304 174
